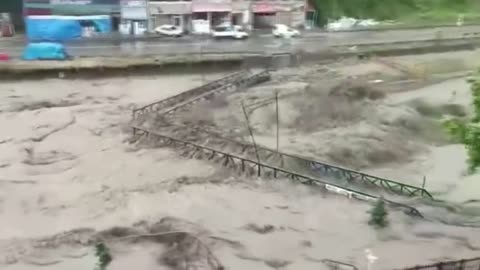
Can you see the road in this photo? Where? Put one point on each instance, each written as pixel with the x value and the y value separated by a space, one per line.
pixel 309 42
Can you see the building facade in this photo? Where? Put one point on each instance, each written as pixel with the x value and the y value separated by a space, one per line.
pixel 177 13
pixel 266 13
pixel 134 17
pixel 128 16
pixel 195 16
pixel 209 13
pixel 200 16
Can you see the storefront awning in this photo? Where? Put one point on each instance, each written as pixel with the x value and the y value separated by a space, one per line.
pixel 263 7
pixel 211 7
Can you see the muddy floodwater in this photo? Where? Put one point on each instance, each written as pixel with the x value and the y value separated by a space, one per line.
pixel 69 177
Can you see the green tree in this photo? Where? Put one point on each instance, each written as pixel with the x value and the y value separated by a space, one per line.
pixel 379 215
pixel 467 131
pixel 409 10
pixel 103 255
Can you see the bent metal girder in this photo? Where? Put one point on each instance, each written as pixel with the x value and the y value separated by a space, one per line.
pixel 245 165
pixel 319 168
pixel 194 92
pixel 246 79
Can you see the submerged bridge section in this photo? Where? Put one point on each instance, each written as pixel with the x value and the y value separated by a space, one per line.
pixel 253 167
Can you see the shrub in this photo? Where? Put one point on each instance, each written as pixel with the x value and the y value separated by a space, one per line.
pixel 468 132
pixel 379 215
pixel 103 255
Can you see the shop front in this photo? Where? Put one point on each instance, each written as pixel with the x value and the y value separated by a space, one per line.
pixel 264 14
pixel 207 14
pixel 173 13
pixel 134 17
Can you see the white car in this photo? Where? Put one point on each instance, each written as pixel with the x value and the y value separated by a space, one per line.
pixel 229 32
pixel 281 30
pixel 169 30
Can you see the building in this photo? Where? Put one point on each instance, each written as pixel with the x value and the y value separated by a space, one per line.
pixel 134 17
pixel 177 13
pixel 207 14
pixel 71 7
pixel 36 7
pixel 210 13
pixel 266 13
pixel 200 16
pixel 74 8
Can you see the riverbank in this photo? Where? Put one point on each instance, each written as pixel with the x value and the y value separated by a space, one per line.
pixel 199 63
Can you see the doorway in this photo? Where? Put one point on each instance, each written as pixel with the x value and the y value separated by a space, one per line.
pixel 115 23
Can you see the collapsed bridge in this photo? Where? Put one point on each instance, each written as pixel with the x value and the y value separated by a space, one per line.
pixel 195 142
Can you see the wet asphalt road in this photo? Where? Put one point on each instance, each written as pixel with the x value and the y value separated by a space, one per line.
pixel 260 43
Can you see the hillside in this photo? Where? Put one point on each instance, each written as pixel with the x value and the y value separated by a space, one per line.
pixel 404 11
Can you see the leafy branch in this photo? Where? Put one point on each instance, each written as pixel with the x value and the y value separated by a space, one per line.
pixel 467 131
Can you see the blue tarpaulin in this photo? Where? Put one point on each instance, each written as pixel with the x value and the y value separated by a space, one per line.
pixel 62 28
pixel 44 51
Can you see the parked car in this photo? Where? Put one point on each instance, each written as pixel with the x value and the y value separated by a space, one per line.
pixel 281 30
pixel 169 30
pixel 234 32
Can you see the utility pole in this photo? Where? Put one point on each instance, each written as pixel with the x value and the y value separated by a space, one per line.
pixel 201 63
pixel 251 133
pixel 278 121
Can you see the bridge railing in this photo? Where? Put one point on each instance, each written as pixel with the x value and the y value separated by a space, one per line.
pixel 260 169
pixel 465 264
pixel 352 176
pixel 160 104
pixel 321 168
pixel 337 265
pixel 328 170
pixel 241 81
